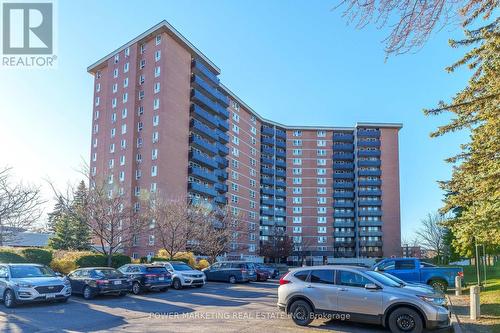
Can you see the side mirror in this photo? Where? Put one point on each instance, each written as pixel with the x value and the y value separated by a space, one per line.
pixel 371 286
pixel 378 269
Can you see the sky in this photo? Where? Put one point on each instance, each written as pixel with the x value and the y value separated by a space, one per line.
pixel 296 62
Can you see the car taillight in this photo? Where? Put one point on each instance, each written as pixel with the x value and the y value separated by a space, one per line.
pixel 243 271
pixel 102 281
pixel 283 280
pixel 150 276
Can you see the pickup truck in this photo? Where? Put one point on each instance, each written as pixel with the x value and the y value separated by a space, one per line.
pixel 416 271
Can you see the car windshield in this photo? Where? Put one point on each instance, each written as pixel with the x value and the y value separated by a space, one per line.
pixel 181 267
pixel 20 272
pixel 107 273
pixel 380 277
pixel 392 277
pixel 156 270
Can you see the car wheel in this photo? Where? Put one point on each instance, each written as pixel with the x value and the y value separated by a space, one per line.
pixel 9 299
pixel 439 285
pixel 302 313
pixel 177 284
pixel 405 320
pixel 87 293
pixel 136 288
pixel 232 279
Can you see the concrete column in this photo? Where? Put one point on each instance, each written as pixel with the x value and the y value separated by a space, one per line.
pixel 458 285
pixel 475 310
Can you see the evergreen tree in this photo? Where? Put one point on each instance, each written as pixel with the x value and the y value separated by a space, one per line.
pixel 64 233
pixel 55 214
pixel 81 231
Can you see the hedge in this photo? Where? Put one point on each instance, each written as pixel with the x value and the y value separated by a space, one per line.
pixel 93 260
pixel 10 256
pixel 38 256
pixel 119 260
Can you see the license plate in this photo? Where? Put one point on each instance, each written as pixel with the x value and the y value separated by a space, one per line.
pixel 50 296
pixel 117 282
pixel 161 278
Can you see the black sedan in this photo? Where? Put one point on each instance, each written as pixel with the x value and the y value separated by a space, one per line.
pixel 94 281
pixel 146 277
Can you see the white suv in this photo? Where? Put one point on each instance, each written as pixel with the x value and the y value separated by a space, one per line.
pixel 360 295
pixel 183 275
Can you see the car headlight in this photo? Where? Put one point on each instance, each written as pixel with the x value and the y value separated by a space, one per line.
pixel 434 300
pixel 24 285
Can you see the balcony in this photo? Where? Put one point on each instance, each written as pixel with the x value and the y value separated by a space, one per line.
pixel 268 151
pixel 369 172
pixel 267 171
pixel 369 163
pixel 267 141
pixel 370 223
pixel 280 183
pixel 280 153
pixel 280 144
pixel 281 213
pixel 223 137
pixel 369 133
pixel 280 173
pixel 203 174
pixel 280 163
pixel 370 243
pixel 370 182
pixel 370 233
pixel 202 69
pixel 370 213
pixel 267 212
pixel 368 153
pixel 365 143
pixel 280 193
pixel 203 130
pixel 221 199
pixel 221 174
pixel 267 181
pixel 343 166
pixel 267 161
pixel 223 125
pixel 345 175
pixel 337 156
pixel 344 244
pixel 267 232
pixel 222 162
pixel 280 134
pixel 343 234
pixel 345 137
pixel 368 193
pixel 372 254
pixel 267 191
pixel 202 159
pixel 210 90
pixel 343 146
pixel 202 189
pixel 268 131
pixel 343 214
pixel 343 224
pixel 267 222
pixel 202 100
pixel 223 150
pixel 348 195
pixel 267 202
pixel 280 203
pixel 370 203
pixel 343 204
pixel 343 185
pixel 221 188
pixel 207 118
pixel 203 145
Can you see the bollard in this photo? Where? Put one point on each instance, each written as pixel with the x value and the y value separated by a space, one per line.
pixel 475 310
pixel 458 285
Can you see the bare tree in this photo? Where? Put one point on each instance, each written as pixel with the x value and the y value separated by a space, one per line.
pixel 433 233
pixel 413 21
pixel 114 222
pixel 20 207
pixel 175 222
pixel 217 230
pixel 278 247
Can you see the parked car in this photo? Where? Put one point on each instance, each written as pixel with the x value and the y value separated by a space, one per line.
pixel 183 275
pixel 231 271
pixel 360 295
pixel 416 271
pixel 94 281
pixel 273 272
pixel 23 283
pixel 404 283
pixel 262 275
pixel 146 277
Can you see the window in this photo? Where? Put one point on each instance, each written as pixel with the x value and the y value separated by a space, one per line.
pixel 235 151
pixel 117 58
pixel 124 113
pixel 155 137
pixel 140 111
pixel 302 275
pixel 157 71
pixel 97 101
pixel 297 143
pixel 321 190
pixel 236 140
pixel 297 219
pixel 297 133
pixel 321 219
pixel 98 87
pixel 388 265
pixel 115 73
pixel 127 52
pixel 122 160
pixel 123 143
pixel 297 190
pixel 297 200
pixel 125 82
pixel 324 276
pixel 113 103
pixel 126 67
pixel 156 104
pixel 157 87
pixel 157 55
pixel 405 264
pixel 154 171
pixel 151 239
pixel 154 154
pixel 297 152
pixel 122 176
pixel 158 39
pixel 321 134
pixel 142 78
pixel 297 230
pixel 321 143
pixel 141 95
pixel 321 230
pixel 236 129
pixel 297 161
pixel 297 210
pixel 351 279
pixel 156 120
pixel 125 97
pixel 142 64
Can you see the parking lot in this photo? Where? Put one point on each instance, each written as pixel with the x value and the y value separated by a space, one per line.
pixel 217 307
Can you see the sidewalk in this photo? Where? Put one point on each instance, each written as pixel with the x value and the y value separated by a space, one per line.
pixel 488 323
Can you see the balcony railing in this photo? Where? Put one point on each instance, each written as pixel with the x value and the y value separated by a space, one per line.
pixel 267 141
pixel 365 143
pixel 370 243
pixel 223 125
pixel 343 146
pixel 343 194
pixel 203 174
pixel 280 203
pixel 200 188
pixel 267 171
pixel 372 192
pixel 221 188
pixel 221 200
pixel 209 89
pixel 280 193
pixel 202 159
pixel 280 134
pixel 370 213
pixel 343 204
pixel 267 191
pixel 344 244
pixel 343 137
pixel 280 163
pixel 268 151
pixel 223 136
pixel 369 133
pixel 343 185
pixel 370 182
pixel 343 233
pixel 343 156
pixel 267 181
pixel 369 172
pixel 223 150
pixel 223 163
pixel 201 68
pixel 370 233
pixel 268 131
pixel 343 224
pixel 345 175
pixel 267 202
pixel 203 145
pixel 221 174
pixel 280 153
pixel 343 214
pixel 280 173
pixel 280 213
pixel 280 144
pixel 203 100
pixel 369 202
pixel 370 223
pixel 280 183
pixel 267 161
pixel 203 130
pixel 203 115
pixel 368 163
pixel 368 153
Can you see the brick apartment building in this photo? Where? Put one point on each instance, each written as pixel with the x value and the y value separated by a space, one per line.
pixel 162 121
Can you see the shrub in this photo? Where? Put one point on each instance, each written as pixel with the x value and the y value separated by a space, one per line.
pixel 63 266
pixel 119 260
pixel 11 256
pixel 187 257
pixel 37 256
pixel 92 260
pixel 203 263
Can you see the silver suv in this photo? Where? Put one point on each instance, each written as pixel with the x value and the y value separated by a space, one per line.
pixel 21 283
pixel 183 275
pixel 360 295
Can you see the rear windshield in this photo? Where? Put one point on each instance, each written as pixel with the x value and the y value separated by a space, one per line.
pixel 107 273
pixel 156 270
pixel 30 272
